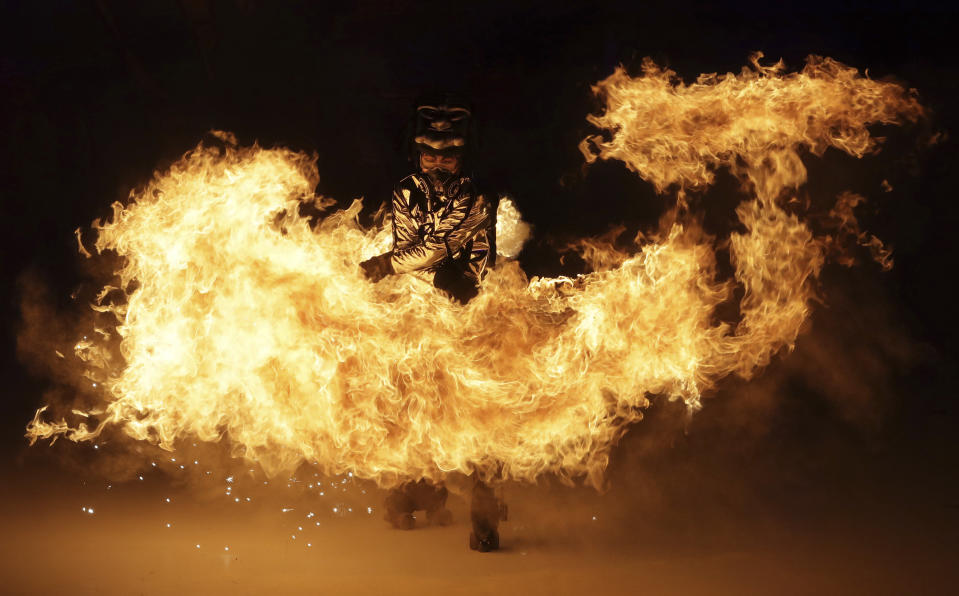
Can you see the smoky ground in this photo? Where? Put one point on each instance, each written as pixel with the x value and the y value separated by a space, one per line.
pixel 831 472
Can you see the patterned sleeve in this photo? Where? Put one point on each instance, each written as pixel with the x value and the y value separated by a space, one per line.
pixel 405 229
pixel 468 215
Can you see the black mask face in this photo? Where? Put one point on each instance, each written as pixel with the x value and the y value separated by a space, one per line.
pixel 440 177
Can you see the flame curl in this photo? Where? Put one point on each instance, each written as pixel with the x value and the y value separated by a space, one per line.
pixel 240 322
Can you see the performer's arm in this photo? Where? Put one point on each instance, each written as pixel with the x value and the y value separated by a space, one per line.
pixel 467 216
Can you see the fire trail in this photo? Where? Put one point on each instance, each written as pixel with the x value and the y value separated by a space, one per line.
pixel 233 319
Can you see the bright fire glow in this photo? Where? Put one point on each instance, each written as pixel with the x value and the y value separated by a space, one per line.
pixel 238 322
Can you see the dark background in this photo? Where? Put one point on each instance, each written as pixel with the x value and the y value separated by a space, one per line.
pixel 96 95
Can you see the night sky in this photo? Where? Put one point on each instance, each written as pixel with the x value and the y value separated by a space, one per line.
pixel 96 95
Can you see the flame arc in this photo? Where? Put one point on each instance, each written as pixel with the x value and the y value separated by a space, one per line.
pixel 242 323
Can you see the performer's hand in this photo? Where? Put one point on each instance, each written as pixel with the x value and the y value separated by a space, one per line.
pixel 378 267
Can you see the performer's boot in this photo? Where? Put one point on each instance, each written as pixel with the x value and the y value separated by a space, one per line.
pixel 437 514
pixel 485 513
pixel 422 495
pixel 399 508
pixel 432 499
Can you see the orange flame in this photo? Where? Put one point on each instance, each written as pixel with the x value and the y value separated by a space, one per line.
pixel 242 323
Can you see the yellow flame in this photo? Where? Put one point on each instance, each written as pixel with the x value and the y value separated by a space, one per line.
pixel 755 122
pixel 242 323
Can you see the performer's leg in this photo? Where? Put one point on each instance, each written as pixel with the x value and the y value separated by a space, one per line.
pixel 485 514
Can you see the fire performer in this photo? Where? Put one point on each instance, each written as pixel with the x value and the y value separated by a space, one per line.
pixel 443 232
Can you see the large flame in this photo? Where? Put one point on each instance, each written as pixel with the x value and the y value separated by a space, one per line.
pixel 239 322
